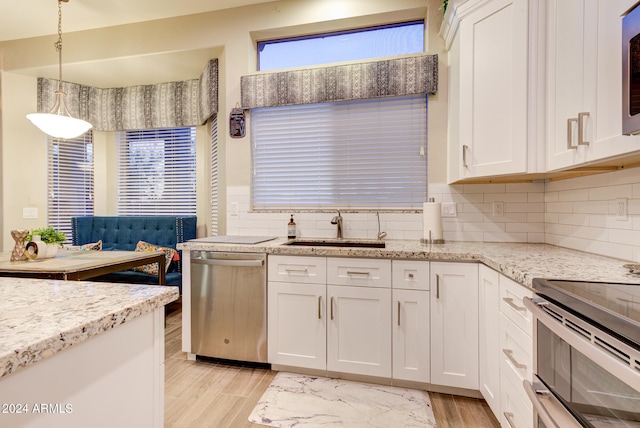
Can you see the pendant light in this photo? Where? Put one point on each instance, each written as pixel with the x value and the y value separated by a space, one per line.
pixel 59 123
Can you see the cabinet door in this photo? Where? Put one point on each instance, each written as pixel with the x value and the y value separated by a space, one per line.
pixel 454 324
pixel 489 339
pixel 571 81
pixel 359 330
pixel 297 325
pixel 411 335
pixel 494 61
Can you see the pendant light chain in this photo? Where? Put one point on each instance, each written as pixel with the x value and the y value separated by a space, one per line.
pixel 58 45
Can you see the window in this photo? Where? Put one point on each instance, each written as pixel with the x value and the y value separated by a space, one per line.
pixel 157 172
pixel 70 181
pixel 366 154
pixel 367 43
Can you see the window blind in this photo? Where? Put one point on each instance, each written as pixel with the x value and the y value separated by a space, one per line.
pixel 214 176
pixel 366 154
pixel 157 172
pixel 70 181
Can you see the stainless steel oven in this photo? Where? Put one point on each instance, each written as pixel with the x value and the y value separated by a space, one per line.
pixel 586 354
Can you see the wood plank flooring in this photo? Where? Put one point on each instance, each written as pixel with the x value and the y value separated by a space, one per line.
pixel 211 394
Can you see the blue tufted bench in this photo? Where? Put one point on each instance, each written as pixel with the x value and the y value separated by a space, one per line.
pixel 123 233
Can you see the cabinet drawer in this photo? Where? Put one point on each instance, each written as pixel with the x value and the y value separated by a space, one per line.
pixel 516 409
pixel 512 297
pixel 359 272
pixel 516 352
pixel 410 274
pixel 299 269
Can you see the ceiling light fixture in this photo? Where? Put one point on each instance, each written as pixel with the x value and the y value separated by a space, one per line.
pixel 58 122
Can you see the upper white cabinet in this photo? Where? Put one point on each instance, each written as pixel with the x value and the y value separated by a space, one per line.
pixel 454 324
pixel 490 100
pixel 584 82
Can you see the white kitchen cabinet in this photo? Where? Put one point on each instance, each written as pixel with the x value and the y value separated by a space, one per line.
pixel 296 315
pixel 410 321
pixel 492 64
pixel 297 329
pixel 489 339
pixel 454 324
pixel 359 330
pixel 584 82
pixel 516 354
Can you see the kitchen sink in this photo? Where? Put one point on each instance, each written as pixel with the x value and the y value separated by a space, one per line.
pixel 357 243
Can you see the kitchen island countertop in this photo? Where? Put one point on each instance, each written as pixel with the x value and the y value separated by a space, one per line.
pixel 519 261
pixel 39 318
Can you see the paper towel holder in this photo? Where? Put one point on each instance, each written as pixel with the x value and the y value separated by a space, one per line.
pixel 430 240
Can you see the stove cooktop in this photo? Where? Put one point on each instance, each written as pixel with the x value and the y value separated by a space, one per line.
pixel 613 306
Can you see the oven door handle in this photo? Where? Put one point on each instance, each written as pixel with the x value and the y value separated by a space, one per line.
pixel 533 390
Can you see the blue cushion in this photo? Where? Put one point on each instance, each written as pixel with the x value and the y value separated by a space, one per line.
pixel 123 233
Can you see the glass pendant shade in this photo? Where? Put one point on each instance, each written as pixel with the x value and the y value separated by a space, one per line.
pixel 58 123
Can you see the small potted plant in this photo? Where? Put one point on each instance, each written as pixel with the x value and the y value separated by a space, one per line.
pixel 50 236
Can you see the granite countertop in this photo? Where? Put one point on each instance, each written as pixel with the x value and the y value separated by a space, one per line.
pixel 39 317
pixel 518 261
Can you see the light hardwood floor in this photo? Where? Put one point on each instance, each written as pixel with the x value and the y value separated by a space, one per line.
pixel 211 394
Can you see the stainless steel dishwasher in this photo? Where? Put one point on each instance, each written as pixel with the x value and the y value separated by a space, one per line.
pixel 229 305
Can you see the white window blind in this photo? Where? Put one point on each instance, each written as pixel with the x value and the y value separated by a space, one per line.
pixel 214 176
pixel 70 181
pixel 157 172
pixel 366 154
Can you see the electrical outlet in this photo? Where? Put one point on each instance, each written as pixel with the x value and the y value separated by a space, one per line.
pixel 234 209
pixel 498 209
pixel 621 209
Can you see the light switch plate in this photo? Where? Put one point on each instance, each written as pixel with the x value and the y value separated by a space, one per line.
pixel 30 212
pixel 449 209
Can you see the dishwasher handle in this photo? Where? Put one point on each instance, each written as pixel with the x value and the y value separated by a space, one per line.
pixel 237 263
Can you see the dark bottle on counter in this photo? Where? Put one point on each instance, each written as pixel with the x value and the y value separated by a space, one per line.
pixel 291 228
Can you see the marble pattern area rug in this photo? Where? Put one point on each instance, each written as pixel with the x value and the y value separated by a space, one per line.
pixel 294 400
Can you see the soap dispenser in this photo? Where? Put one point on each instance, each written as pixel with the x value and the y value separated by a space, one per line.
pixel 291 228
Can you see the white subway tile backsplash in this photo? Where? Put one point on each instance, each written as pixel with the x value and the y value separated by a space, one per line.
pixel 577 213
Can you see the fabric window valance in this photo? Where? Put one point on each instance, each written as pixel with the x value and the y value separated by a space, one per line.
pixel 163 105
pixel 387 78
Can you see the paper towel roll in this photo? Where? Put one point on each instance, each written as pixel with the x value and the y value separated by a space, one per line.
pixel 432 222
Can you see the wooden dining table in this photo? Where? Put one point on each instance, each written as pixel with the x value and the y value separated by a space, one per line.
pixel 81 265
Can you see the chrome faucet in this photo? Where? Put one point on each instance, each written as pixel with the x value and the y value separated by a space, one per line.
pixel 338 220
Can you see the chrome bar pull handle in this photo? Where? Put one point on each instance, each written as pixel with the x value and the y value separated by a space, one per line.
pixel 353 272
pixel 331 307
pixel 581 127
pixel 437 286
pixel 509 354
pixel 509 301
pixel 464 156
pixel 570 122
pixel 319 307
pixel 509 417
pixel 398 312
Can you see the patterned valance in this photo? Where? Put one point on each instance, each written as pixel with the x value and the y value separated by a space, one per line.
pixel 163 105
pixel 388 78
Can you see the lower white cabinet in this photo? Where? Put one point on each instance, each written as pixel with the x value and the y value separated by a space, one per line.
pixel 489 339
pixel 411 335
pixel 454 324
pixel 359 330
pixel 297 325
